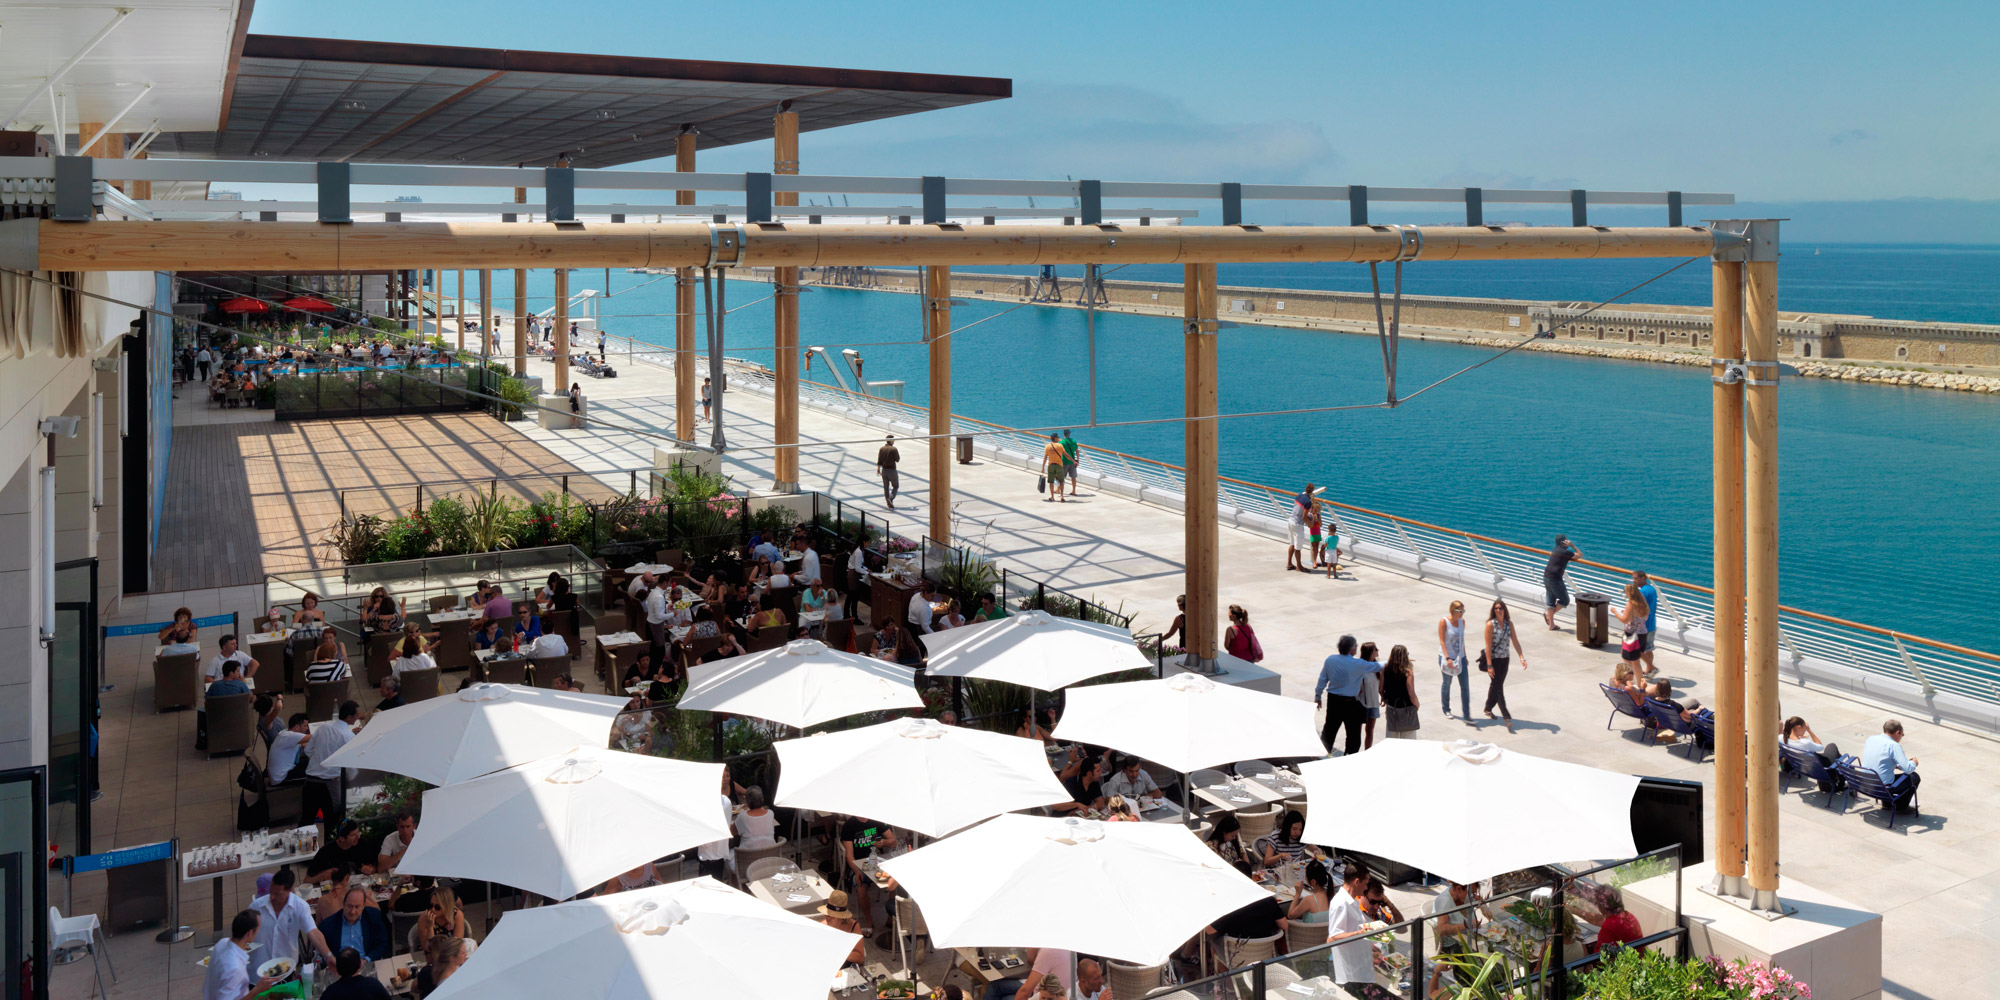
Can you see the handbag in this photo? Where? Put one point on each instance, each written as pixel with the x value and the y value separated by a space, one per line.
pixel 1633 642
pixel 1483 668
pixel 1041 484
pixel 1402 718
pixel 1450 667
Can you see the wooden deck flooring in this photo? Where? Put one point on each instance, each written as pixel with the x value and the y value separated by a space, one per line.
pixel 245 499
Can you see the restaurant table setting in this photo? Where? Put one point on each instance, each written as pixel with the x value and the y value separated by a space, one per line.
pixel 640 569
pixel 460 615
pixel 254 852
pixel 398 973
pixel 800 891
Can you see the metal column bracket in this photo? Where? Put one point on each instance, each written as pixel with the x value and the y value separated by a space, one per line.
pixel 1475 211
pixel 1579 211
pixel 756 197
pixel 725 245
pixel 1357 204
pixel 1232 203
pixel 1090 198
pixel 1743 240
pixel 934 209
pixel 559 192
pixel 74 202
pixel 1673 208
pixel 1733 371
pixel 1769 367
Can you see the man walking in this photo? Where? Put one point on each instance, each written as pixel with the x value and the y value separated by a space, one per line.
pixel 1295 531
pixel 602 341
pixel 704 400
pixel 885 466
pixel 1340 683
pixel 1070 451
pixel 1652 596
pixel 1553 586
pixel 205 361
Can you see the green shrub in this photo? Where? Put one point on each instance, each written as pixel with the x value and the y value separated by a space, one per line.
pixel 450 524
pixel 404 538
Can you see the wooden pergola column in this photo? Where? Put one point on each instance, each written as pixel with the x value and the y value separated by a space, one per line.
pixel 1761 573
pixel 562 330
pixel 461 309
pixel 485 308
pixel 520 304
pixel 785 318
pixel 937 333
pixel 1199 514
pixel 1726 398
pixel 684 394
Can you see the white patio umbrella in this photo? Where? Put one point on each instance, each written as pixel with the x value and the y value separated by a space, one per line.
pixel 801 683
pixel 1129 891
pixel 562 824
pixel 477 731
pixel 917 774
pixel 1033 648
pixel 697 938
pixel 1521 810
pixel 1187 722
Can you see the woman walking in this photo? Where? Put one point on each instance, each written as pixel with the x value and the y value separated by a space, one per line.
pixel 1452 663
pixel 1500 636
pixel 1371 694
pixel 1634 616
pixel 1399 696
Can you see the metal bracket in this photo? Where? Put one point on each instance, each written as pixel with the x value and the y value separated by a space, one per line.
pixel 74 201
pixel 1771 367
pixel 725 238
pixel 1413 243
pixel 1745 239
pixel 1201 326
pixel 1475 207
pixel 1579 210
pixel 1090 198
pixel 1232 203
pixel 1674 208
pixel 335 199
pixel 20 244
pixel 934 207
pixel 1733 372
pixel 756 197
pixel 559 192
pixel 1357 204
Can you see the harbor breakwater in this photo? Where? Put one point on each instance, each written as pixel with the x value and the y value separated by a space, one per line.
pixel 1962 357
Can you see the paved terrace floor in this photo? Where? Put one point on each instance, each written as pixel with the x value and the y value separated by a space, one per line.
pixel 1936 879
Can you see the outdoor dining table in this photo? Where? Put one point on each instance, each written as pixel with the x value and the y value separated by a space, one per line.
pixel 639 569
pixel 254 860
pixel 968 962
pixel 386 969
pixel 461 615
pixel 799 891
pixel 1238 794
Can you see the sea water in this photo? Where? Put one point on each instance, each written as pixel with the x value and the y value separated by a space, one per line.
pixel 1888 494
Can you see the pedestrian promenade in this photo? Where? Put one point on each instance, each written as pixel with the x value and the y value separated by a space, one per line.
pixel 1936 879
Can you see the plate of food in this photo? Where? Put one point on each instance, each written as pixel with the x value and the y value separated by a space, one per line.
pixel 1395 961
pixel 277 968
pixel 895 989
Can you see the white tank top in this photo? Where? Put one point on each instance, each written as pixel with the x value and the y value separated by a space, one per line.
pixel 1454 639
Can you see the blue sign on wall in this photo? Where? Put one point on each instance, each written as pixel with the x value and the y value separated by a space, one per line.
pixel 122 857
pixel 150 628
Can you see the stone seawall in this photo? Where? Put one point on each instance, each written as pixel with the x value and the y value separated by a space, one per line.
pixel 1961 357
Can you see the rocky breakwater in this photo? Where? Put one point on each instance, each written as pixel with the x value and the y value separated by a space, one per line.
pixel 1914 377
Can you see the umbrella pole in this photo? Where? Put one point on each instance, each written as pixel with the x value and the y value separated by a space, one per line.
pixel 1187 796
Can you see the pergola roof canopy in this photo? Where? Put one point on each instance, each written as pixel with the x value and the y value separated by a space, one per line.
pixel 386 102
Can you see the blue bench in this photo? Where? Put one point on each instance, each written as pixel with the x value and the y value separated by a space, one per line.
pixel 1667 716
pixel 1621 704
pixel 1806 764
pixel 1865 782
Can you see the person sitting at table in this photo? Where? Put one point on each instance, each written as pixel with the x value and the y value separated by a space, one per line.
pixel 179 635
pixel 527 625
pixel 484 636
pixel 390 690
pixel 1131 782
pixel 329 902
pixel 352 985
pixel 1453 934
pixel 564 682
pixel 835 914
pixel 1085 787
pixel 714 589
pixel 444 917
pixel 307 624
pixel 1376 905
pixel 726 647
pixel 231 682
pixel 411 656
pixel 951 617
pixel 287 750
pixel 447 957
pixel 498 607
pixel 1315 895
pixel 380 613
pixel 703 625
pixel 396 843
pixel 1118 809
pixel 989 610
pixel 228 653
pixel 1226 840
pixel 1285 843
pixel 660 684
pixel 560 598
pixel 771 617
pixel 270 716
pixel 329 661
pixel 757 575
pixel 756 826
pixel 550 644
pixel 762 548
pixel 1263 917
pixel 779 579
pixel 639 673
pixel 1619 925
pixel 504 650
pixel 343 848
pixel 888 640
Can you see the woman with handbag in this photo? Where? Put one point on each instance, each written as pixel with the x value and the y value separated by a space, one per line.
pixel 1452 663
pixel 1633 615
pixel 1500 640
pixel 1399 696
pixel 1238 639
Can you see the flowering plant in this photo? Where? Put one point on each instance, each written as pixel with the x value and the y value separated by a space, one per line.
pixel 1763 981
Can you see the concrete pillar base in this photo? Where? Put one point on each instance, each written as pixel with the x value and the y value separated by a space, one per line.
pixel 1831 944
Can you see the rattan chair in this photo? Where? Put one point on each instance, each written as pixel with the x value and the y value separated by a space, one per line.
pixel 500 670
pixel 232 723
pixel 419 685
pixel 453 650
pixel 1259 822
pixel 295 666
pixel 323 698
pixel 1133 980
pixel 176 681
pixel 442 602
pixel 748 858
pixel 380 646
pixel 545 669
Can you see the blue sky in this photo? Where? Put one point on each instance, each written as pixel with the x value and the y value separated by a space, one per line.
pixel 1775 102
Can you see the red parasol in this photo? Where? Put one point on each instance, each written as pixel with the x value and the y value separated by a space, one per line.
pixel 244 305
pixel 307 303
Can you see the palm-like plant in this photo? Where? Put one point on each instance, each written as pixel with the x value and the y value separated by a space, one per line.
pixel 491 522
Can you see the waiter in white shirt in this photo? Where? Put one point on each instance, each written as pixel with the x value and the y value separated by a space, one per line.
pixel 921 611
pixel 1353 956
pixel 809 566
pixel 286 920
pixel 328 737
pixel 228 975
pixel 857 574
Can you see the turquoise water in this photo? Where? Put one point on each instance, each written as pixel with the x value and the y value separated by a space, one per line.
pixel 1887 493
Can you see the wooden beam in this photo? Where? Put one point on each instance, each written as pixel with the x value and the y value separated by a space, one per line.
pixel 785 320
pixel 684 308
pixel 1198 375
pixel 937 333
pixel 1761 573
pixel 1726 404
pixel 277 246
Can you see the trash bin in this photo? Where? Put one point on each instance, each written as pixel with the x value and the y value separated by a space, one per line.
pixel 1593 619
pixel 965 449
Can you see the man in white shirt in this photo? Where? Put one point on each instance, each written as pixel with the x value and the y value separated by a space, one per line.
pixel 1132 783
pixel 809 566
pixel 327 738
pixel 228 975
pixel 219 664
pixel 286 919
pixel 1453 933
pixel 1353 956
pixel 396 843
pixel 657 615
pixel 712 858
pixel 285 749
pixel 921 611
pixel 550 644
pixel 857 575
pixel 1089 980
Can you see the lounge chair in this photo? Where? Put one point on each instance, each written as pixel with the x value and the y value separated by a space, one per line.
pixel 1621 704
pixel 1863 781
pixel 1808 765
pixel 1668 716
